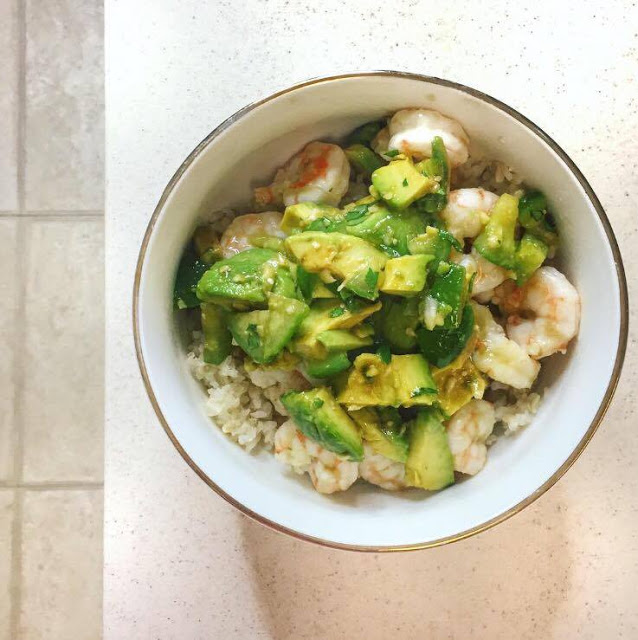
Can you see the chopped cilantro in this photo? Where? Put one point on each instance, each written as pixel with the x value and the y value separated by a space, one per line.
pixel 393 253
pixel 317 403
pixel 405 182
pixel 371 278
pixel 253 337
pixel 384 353
pixel 337 311
pixel 392 153
pixel 421 391
pixel 357 213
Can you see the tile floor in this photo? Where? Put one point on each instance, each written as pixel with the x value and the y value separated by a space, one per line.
pixel 51 318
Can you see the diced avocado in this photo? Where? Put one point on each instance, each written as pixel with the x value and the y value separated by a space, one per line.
pixel 318 416
pixel 430 464
pixel 310 286
pixel 530 255
pixel 326 315
pixel 438 167
pixel 345 257
pixel 321 292
pixel 342 340
pixel 404 381
pixel 248 330
pixel 535 217
pixel 443 305
pixel 217 337
pixel 365 133
pixel 363 159
pixel 458 383
pixel 384 430
pixel 434 242
pixel 190 271
pixel 333 364
pixel 497 241
pixel 440 345
pixel 263 334
pixel 405 276
pixel 268 242
pixel 397 322
pixel 245 278
pixel 206 242
pixel 284 284
pixel 285 361
pixel 364 283
pixel 298 216
pixel 387 230
pixel 400 184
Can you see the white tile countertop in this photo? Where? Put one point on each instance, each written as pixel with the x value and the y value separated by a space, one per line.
pixel 179 561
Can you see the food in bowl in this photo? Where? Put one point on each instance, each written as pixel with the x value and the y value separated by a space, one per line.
pixel 382 311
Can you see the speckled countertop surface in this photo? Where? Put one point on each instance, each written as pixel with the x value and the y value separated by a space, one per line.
pixel 180 562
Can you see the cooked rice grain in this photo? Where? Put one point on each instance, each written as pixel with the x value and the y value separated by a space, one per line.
pixel 245 405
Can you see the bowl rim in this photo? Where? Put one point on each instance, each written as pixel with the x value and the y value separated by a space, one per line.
pixel 620 274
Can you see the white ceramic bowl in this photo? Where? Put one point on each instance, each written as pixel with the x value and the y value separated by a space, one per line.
pixel 244 151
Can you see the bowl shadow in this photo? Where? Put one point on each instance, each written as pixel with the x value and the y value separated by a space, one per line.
pixel 507 582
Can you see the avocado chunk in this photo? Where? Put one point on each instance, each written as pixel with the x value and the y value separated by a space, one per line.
pixel 535 217
pixel 353 260
pixel 217 337
pixel 445 301
pixel 400 184
pixel 298 216
pixel 363 159
pixel 405 276
pixel 497 241
pixel 310 286
pixel 326 315
pixel 191 268
pixel 263 334
pixel 365 133
pixel 342 340
pixel 405 381
pixel 437 166
pixel 530 255
pixel 318 416
pixel 384 430
pixel 434 242
pixel 333 364
pixel 458 383
pixel 430 464
pixel 244 279
pixel 397 322
pixel 387 230
pixel 440 345
pixel 284 284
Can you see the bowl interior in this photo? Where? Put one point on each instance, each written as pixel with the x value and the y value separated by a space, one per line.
pixel 245 153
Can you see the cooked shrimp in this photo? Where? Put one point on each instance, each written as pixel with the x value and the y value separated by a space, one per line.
pixel 377 469
pixel 412 131
pixel 328 471
pixel 320 173
pixel 467 211
pixel 381 142
pixel 242 229
pixel 488 274
pixel 467 431
pixel 554 306
pixel 499 357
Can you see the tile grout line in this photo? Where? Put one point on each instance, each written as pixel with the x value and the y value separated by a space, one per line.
pixel 53 213
pixel 15 586
pixel 52 486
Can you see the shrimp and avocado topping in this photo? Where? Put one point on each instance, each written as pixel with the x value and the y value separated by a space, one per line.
pixel 402 308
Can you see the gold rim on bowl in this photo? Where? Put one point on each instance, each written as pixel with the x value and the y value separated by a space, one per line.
pixel 611 387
